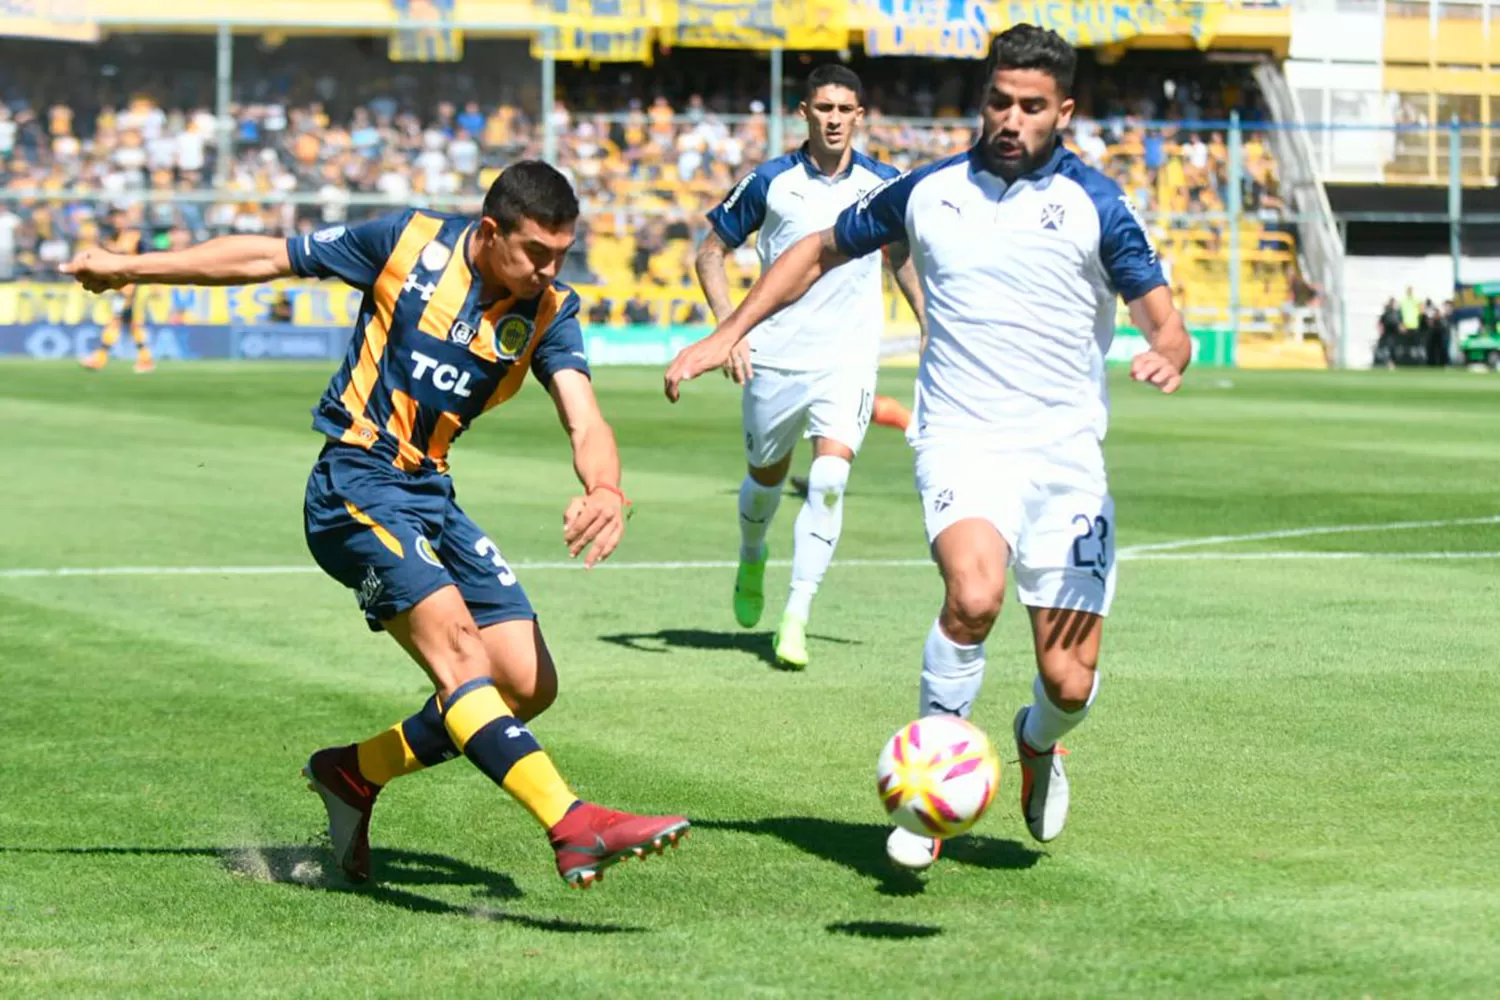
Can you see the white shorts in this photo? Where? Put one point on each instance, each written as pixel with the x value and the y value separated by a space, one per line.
pixel 1051 506
pixel 780 406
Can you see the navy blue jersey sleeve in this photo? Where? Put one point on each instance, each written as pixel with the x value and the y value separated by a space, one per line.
pixel 877 219
pixel 743 211
pixel 1126 251
pixel 560 347
pixel 355 254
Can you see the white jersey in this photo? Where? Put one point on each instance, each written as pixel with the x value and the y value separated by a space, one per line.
pixel 839 321
pixel 1020 282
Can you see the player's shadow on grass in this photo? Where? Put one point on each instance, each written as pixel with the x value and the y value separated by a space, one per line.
pixel 884 930
pixel 860 847
pixel 757 644
pixel 397 873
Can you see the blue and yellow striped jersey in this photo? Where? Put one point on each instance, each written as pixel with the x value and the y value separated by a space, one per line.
pixel 428 354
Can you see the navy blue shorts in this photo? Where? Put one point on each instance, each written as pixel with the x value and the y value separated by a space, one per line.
pixel 395 537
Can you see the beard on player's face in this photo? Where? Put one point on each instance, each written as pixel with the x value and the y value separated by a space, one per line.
pixel 1011 154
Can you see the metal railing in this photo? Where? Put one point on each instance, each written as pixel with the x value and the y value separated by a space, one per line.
pixel 1321 249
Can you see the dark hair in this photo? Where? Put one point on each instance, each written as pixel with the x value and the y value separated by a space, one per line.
pixel 834 75
pixel 1025 46
pixel 530 189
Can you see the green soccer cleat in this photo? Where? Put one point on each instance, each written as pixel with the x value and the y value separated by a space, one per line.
pixel 750 591
pixel 791 643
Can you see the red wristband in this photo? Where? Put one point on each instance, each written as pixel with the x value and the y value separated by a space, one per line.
pixel 624 500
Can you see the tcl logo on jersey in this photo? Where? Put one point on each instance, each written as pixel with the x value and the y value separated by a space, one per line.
pixel 446 377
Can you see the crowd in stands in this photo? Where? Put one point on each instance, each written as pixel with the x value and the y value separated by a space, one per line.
pixel 333 126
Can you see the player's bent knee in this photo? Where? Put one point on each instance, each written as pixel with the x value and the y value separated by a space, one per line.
pixel 974 605
pixel 1069 677
pixel 542 695
pixel 1072 691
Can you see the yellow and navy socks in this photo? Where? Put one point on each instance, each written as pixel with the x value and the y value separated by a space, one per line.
pixel 407 747
pixel 501 746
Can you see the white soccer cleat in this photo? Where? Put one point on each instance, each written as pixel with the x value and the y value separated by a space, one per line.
pixel 1044 786
pixel 912 850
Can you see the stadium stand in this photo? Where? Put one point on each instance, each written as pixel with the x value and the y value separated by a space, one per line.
pixel 323 127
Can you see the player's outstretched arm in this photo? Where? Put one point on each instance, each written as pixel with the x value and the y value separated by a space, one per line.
pixel 228 260
pixel 599 515
pixel 794 272
pixel 1171 349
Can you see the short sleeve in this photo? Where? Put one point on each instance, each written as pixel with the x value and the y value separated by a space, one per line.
pixel 1126 251
pixel 877 219
pixel 560 346
pixel 743 211
pixel 355 254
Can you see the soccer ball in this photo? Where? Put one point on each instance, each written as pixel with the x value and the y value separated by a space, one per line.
pixel 937 776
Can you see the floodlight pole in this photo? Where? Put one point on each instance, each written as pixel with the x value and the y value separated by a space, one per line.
pixel 549 97
pixel 1455 195
pixel 1236 212
pixel 773 136
pixel 224 92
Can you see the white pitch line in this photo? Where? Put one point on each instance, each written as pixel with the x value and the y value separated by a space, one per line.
pixel 101 571
pixel 1309 556
pixel 1329 529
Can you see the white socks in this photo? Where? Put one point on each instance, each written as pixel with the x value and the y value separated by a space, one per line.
pixel 816 533
pixel 757 506
pixel 1046 723
pixel 951 676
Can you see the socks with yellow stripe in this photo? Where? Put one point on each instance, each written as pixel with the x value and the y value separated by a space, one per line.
pixel 501 746
pixel 407 747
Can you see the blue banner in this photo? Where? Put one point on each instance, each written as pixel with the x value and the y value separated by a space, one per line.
pixel 170 342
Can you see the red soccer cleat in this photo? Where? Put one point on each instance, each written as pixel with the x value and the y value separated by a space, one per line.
pixel 590 838
pixel 334 774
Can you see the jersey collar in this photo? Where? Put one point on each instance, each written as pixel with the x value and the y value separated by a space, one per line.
pixel 804 157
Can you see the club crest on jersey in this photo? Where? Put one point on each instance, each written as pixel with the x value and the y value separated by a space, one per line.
pixel 1052 216
pixel 512 334
pixel 461 333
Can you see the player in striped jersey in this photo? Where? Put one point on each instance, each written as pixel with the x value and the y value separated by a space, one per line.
pixel 455 312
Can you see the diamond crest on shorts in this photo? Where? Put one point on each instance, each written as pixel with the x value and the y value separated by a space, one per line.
pixel 942 501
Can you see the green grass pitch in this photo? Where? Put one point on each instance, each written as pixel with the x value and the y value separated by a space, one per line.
pixel 1290 785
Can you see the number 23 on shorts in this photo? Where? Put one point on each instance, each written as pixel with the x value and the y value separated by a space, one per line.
pixel 1092 543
